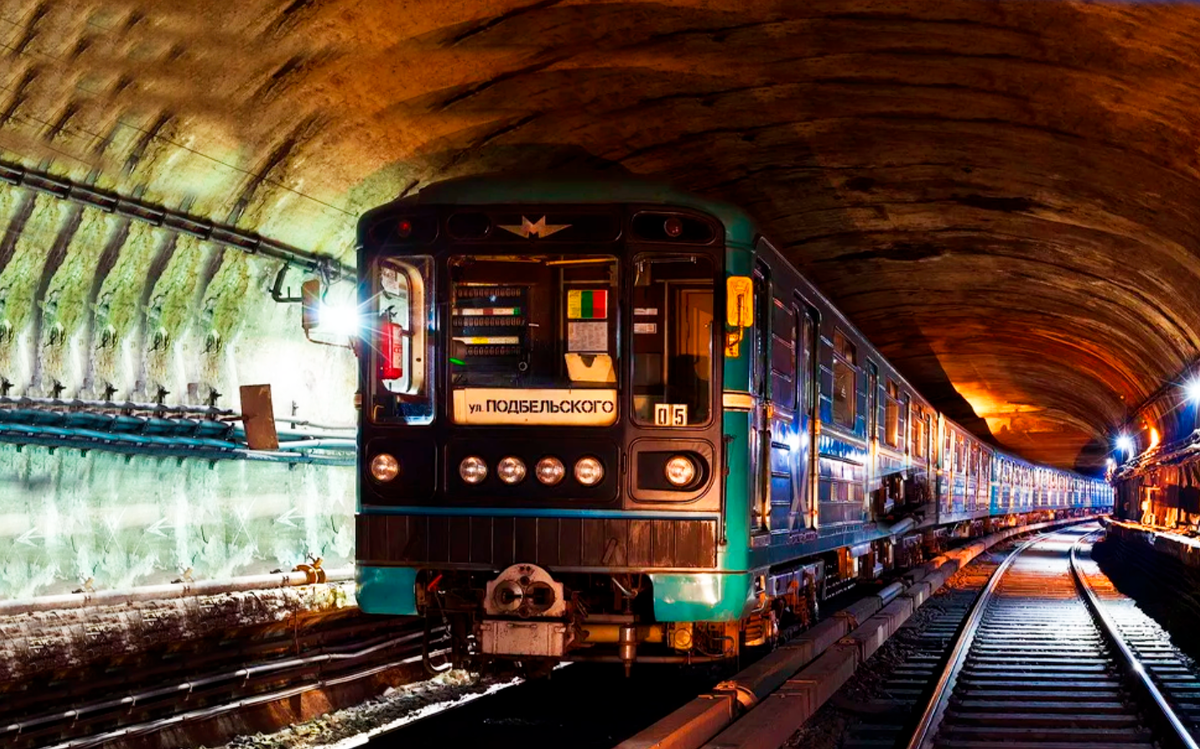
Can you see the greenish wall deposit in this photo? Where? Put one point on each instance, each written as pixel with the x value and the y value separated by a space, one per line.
pixel 95 307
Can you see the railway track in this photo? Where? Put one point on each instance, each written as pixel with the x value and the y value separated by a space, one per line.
pixel 1042 662
pixel 883 720
pixel 202 680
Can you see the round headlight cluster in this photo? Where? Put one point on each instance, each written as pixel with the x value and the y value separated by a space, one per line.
pixel 384 468
pixel 472 469
pixel 511 470
pixel 680 470
pixel 549 470
pixel 589 471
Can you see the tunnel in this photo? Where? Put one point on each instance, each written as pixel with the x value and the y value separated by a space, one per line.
pixel 987 211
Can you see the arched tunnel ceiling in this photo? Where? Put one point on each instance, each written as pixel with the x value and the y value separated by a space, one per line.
pixel 1003 195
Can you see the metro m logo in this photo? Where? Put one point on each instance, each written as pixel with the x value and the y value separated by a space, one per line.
pixel 529 229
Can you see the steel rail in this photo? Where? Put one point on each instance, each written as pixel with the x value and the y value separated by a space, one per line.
pixel 931 718
pixel 333 663
pixel 240 704
pixel 1133 664
pixel 189 686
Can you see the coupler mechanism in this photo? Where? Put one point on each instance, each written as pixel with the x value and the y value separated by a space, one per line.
pixel 525 614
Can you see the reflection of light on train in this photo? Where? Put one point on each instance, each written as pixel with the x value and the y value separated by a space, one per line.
pixel 608 421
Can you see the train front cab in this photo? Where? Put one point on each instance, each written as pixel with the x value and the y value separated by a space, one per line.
pixel 554 403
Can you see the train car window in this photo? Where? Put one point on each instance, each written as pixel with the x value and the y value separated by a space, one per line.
pixel 845 386
pixel 918 433
pixel 783 357
pixel 533 339
pixel 891 424
pixel 672 340
pixel 401 344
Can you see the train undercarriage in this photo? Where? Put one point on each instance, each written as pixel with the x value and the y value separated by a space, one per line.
pixel 530 615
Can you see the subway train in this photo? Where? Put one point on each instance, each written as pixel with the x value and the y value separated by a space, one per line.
pixel 606 420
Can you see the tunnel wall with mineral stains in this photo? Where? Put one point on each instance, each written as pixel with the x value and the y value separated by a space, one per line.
pixel 68 518
pixel 100 307
pixel 97 306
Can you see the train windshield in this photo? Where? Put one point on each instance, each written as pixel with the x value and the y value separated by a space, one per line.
pixel 672 339
pixel 533 339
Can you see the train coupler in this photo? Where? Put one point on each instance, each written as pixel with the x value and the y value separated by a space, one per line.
pixel 525 614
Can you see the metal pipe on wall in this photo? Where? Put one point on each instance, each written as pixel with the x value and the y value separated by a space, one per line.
pixel 170 590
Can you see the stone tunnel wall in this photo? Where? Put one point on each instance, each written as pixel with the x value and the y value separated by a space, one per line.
pixel 66 518
pixel 93 306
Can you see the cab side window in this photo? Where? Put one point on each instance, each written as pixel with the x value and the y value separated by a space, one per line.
pixel 845 380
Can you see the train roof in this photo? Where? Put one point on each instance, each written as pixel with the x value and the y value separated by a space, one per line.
pixel 740 228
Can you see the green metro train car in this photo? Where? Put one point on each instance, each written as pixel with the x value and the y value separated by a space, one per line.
pixel 607 420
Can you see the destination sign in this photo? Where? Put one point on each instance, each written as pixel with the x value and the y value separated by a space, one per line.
pixel 545 407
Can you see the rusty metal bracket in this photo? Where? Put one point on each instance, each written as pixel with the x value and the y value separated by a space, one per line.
pixel 313 572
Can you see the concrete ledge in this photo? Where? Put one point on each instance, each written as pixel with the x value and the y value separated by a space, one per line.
pixel 770 722
pixel 791 683
pixel 1183 548
pixel 918 593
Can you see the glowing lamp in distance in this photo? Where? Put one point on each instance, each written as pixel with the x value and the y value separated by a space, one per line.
pixel 1191 390
pixel 1125 443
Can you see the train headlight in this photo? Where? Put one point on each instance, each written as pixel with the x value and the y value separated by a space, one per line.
pixel 384 468
pixel 472 469
pixel 589 471
pixel 550 471
pixel 680 470
pixel 511 470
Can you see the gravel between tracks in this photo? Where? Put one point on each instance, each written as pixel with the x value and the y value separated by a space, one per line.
pixel 353 725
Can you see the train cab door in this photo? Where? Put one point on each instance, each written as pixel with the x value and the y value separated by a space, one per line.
pixel 760 449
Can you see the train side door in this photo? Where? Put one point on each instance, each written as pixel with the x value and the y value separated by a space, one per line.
pixel 872 433
pixel 783 416
pixel 803 513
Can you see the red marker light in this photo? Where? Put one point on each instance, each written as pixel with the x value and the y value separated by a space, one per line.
pixel 404 228
pixel 673 227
